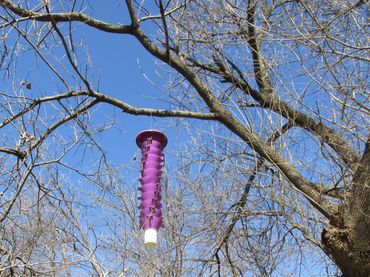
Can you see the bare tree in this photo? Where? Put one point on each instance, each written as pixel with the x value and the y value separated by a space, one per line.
pixel 281 159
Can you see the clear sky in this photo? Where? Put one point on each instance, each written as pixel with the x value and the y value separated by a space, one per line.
pixel 117 65
pixel 120 63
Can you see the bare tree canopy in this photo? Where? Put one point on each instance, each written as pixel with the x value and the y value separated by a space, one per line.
pixel 272 176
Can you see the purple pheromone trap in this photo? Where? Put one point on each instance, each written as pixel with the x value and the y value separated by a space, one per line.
pixel 152 143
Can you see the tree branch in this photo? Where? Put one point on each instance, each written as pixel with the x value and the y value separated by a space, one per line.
pixel 67 17
pixel 37 102
pixel 131 11
pixel 268 100
pixel 151 112
pixel 19 154
pixel 326 134
pixel 243 199
pixel 165 28
pixel 60 123
pixel 260 72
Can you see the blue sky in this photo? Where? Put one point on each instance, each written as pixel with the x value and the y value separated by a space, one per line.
pixel 117 67
pixel 120 62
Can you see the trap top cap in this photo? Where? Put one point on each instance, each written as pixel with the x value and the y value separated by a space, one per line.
pixel 154 134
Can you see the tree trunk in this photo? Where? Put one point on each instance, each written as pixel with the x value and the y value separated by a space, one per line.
pixel 339 246
pixel 347 240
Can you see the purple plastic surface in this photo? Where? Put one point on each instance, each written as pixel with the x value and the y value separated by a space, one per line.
pixel 150 179
pixel 149 204
pixel 152 143
pixel 153 157
pixel 151 222
pixel 150 172
pixel 156 195
pixel 150 186
pixel 154 211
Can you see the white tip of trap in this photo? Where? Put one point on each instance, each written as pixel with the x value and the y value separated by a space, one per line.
pixel 150 237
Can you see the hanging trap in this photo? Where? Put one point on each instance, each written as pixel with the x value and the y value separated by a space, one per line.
pixel 152 143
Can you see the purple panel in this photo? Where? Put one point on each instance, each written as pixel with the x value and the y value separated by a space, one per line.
pixel 150 195
pixel 153 143
pixel 153 157
pixel 153 211
pixel 150 186
pixel 152 164
pixel 150 172
pixel 151 222
pixel 150 179
pixel 153 149
pixel 145 204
